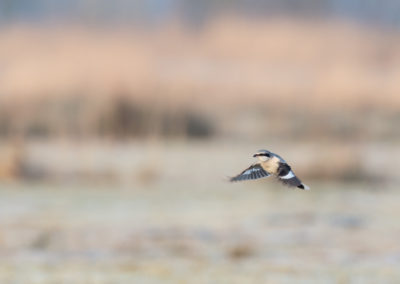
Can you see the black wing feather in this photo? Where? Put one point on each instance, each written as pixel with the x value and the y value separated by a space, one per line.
pixel 255 171
pixel 283 170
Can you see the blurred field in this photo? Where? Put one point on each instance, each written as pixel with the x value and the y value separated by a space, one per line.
pixel 235 78
pixel 150 162
pixel 278 63
pixel 191 233
pixel 166 214
pixel 233 60
pixel 115 146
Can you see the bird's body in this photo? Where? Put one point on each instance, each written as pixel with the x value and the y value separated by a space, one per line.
pixel 270 164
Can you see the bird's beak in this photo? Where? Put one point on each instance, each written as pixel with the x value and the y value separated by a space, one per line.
pixel 256 155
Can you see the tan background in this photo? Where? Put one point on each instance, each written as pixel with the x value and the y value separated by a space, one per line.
pixel 118 132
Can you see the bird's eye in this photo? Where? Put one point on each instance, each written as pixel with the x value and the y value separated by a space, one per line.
pixel 267 154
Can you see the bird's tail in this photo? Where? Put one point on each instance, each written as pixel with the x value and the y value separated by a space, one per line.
pixel 304 186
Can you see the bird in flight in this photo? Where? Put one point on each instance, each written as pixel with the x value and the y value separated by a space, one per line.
pixel 270 164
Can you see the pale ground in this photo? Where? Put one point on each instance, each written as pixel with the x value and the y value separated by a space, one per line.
pixel 219 233
pixel 149 215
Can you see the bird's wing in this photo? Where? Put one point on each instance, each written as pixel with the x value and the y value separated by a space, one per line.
pixel 255 171
pixel 287 177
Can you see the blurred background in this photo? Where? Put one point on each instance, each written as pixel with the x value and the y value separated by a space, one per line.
pixel 120 122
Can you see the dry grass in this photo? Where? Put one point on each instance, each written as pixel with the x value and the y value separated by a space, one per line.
pixel 12 160
pixel 231 61
pixel 268 81
pixel 295 79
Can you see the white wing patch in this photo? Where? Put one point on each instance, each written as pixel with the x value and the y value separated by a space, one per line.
pixel 249 171
pixel 288 176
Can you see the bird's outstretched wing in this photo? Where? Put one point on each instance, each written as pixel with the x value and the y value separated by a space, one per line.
pixel 287 176
pixel 255 171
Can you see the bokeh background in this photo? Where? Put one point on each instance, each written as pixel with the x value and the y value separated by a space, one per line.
pixel 120 122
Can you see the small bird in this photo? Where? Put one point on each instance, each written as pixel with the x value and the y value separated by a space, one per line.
pixel 270 164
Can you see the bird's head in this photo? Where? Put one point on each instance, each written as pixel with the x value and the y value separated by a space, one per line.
pixel 263 155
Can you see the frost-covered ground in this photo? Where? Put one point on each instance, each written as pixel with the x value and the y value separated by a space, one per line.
pixel 204 232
